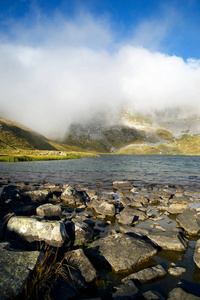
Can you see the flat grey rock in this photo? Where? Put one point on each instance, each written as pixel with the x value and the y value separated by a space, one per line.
pixel 189 221
pixel 180 294
pixel 15 267
pixel 122 251
pixel 169 240
pixel 176 271
pixel 126 291
pixel 147 274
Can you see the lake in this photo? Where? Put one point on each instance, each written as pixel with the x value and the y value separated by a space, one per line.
pixel 140 170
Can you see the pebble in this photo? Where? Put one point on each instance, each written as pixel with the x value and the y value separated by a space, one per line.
pixel 176 271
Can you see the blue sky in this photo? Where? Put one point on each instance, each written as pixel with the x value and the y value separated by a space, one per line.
pixel 65 61
pixel 177 19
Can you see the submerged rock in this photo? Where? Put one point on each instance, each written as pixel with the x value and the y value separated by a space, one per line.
pixel 122 251
pixel 15 267
pixel 34 229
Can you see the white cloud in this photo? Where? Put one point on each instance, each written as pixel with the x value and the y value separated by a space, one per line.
pixel 60 71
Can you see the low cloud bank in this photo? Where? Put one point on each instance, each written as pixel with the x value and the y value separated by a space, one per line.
pixel 59 71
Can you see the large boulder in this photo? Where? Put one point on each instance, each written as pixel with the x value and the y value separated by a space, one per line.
pixel 189 221
pixel 15 268
pixel 34 229
pixel 122 251
pixel 170 240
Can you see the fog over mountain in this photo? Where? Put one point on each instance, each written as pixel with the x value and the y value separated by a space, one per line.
pixel 57 71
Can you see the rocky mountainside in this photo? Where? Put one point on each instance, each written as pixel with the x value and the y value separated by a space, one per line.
pixel 136 134
pixel 16 136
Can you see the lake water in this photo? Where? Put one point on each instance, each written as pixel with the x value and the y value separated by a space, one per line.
pixel 164 170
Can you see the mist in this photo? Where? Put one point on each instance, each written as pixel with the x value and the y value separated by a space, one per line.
pixel 58 71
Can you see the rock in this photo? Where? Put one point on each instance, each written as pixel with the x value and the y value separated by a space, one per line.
pixel 141 199
pixel 107 197
pixel 138 232
pixel 15 268
pixel 49 210
pixel 152 295
pixel 189 221
pixel 130 215
pixel 126 291
pixel 154 198
pixel 181 200
pixel 37 195
pixel 34 229
pixel 179 294
pixel 197 254
pixel 176 271
pixel 83 232
pixel 103 208
pixel 177 208
pixel 169 240
pixel 3 224
pixel 147 274
pixel 122 251
pixel 78 261
pixel 122 185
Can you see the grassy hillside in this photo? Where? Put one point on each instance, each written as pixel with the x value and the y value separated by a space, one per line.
pixel 15 136
pixel 187 145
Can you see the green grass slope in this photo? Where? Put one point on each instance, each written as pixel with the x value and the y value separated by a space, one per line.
pixel 16 136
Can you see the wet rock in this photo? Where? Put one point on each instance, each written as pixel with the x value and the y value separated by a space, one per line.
pixel 176 271
pixel 169 240
pixel 49 210
pixel 122 185
pixel 103 208
pixel 130 215
pixel 34 229
pixel 179 294
pixel 197 254
pixel 122 251
pixel 189 221
pixel 147 274
pixel 15 268
pixel 79 261
pixel 126 291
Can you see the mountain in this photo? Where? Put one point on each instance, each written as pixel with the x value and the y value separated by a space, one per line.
pixel 15 136
pixel 137 134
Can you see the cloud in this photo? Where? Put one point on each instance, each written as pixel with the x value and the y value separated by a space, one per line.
pixel 58 71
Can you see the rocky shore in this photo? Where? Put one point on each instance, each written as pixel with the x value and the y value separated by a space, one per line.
pixel 119 244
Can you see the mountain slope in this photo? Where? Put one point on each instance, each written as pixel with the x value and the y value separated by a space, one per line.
pixel 16 136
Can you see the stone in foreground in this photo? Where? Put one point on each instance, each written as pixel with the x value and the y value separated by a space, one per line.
pixel 121 251
pixel 79 261
pixel 126 291
pixel 49 210
pixel 179 294
pixel 169 240
pixel 34 229
pixel 189 221
pixel 15 267
pixel 147 274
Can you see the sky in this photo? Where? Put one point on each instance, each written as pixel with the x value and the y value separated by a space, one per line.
pixel 64 61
